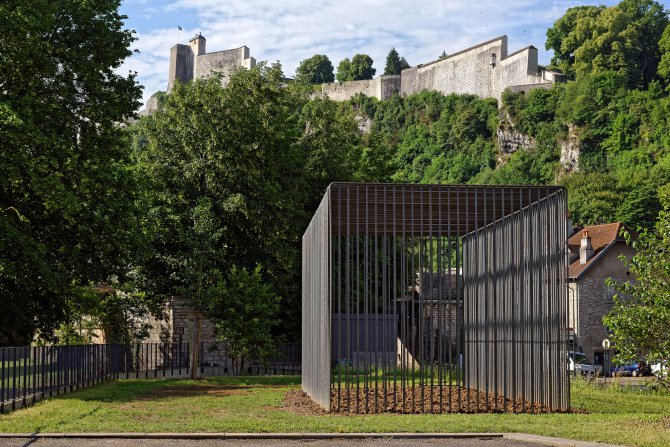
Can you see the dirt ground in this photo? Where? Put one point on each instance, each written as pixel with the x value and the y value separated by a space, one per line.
pixel 374 442
pixel 425 399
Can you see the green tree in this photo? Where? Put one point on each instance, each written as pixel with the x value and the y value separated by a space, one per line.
pixel 622 38
pixel 361 67
pixel 394 63
pixel 640 207
pixel 568 34
pixel 664 63
pixel 593 198
pixel 315 70
pixel 244 309
pixel 225 183
pixel 344 71
pixel 640 318
pixel 67 195
pixel 332 141
pixel 233 176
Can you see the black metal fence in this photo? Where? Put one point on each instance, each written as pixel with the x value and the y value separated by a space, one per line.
pixel 285 359
pixel 33 373
pixel 436 298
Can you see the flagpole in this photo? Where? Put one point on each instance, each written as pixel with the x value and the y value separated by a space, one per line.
pixel 178 28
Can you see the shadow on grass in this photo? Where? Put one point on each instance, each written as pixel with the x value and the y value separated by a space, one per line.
pixel 164 389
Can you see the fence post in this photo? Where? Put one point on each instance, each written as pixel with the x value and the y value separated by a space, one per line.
pixel 202 355
pixel 2 380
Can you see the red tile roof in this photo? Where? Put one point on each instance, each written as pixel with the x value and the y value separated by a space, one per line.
pixel 602 237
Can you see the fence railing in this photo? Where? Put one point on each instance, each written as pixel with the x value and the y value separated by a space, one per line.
pixel 33 373
pixel 285 360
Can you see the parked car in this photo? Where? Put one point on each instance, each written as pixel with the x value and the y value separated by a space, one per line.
pixel 632 369
pixel 578 363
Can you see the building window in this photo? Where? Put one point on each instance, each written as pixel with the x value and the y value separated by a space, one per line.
pixel 609 293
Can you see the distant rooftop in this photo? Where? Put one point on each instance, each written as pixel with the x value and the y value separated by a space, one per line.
pixel 602 238
pixel 197 36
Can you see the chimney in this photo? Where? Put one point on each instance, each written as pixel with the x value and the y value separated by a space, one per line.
pixel 586 249
pixel 570 225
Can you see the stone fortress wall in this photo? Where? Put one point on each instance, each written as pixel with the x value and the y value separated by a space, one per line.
pixel 485 70
pixel 188 62
pixel 381 87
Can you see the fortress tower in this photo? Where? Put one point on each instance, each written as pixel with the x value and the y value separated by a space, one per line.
pixel 198 44
pixel 188 62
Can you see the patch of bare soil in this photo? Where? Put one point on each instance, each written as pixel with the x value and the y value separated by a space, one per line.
pixel 297 401
pixel 197 390
pixel 418 399
pixel 426 399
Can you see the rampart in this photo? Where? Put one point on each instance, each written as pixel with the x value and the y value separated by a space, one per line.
pixel 222 62
pixel 381 87
pixel 485 70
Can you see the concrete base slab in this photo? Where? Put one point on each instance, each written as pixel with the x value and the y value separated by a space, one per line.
pixel 560 442
pixel 520 437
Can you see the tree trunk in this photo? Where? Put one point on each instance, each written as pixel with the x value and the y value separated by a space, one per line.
pixel 195 351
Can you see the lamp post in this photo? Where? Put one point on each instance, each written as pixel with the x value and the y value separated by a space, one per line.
pixel 606 351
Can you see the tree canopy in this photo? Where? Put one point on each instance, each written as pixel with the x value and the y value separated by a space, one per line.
pixel 233 175
pixel 315 70
pixel 394 63
pixel 640 318
pixel 67 210
pixel 622 38
pixel 358 68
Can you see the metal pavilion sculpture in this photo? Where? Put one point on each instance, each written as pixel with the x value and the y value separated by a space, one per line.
pixel 436 298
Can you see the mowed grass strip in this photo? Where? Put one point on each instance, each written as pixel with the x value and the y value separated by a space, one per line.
pixel 253 404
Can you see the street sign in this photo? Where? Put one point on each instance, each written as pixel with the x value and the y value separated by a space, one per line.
pixel 606 344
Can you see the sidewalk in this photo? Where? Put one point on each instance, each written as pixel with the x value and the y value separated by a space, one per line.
pixel 286 439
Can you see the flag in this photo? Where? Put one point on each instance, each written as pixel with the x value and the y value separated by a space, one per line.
pixel 179 28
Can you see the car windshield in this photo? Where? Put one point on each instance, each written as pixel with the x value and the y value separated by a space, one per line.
pixel 580 358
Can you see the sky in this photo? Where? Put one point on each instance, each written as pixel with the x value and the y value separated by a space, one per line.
pixel 290 31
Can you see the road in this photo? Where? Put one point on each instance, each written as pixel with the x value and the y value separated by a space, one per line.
pixel 442 442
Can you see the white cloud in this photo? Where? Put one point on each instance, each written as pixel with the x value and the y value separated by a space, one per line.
pixel 293 30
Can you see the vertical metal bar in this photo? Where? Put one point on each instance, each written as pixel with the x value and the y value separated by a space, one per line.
pixel 435 298
pixel 340 263
pixel 366 315
pixel 348 300
pixel 379 326
pixel 466 301
pixel 14 366
pixel 494 305
pixel 457 304
pixel 395 297
pixel 420 317
pixel 449 273
pixel 443 304
pixel 524 315
pixel 412 313
pixel 3 365
pixel 384 297
pixel 356 295
pixel 402 311
pixel 50 357
pixel 25 356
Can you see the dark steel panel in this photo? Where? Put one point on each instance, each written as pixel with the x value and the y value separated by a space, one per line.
pixel 436 298
pixel 316 306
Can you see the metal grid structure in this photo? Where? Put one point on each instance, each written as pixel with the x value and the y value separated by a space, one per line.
pixel 436 298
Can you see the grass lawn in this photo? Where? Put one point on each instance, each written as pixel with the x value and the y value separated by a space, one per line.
pixel 217 405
